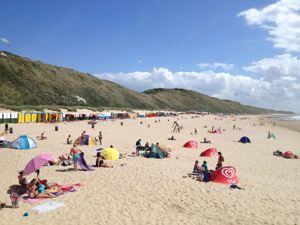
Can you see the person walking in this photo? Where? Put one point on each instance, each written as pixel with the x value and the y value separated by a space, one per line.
pixel 100 138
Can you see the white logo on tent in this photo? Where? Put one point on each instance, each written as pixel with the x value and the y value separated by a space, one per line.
pixel 228 172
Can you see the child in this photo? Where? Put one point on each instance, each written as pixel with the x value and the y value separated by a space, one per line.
pixel 197 168
pixel 204 170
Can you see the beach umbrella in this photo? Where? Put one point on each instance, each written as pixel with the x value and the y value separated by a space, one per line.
pixel 110 154
pixel 211 152
pixel 37 162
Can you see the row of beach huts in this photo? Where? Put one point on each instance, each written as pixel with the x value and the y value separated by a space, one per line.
pixel 39 117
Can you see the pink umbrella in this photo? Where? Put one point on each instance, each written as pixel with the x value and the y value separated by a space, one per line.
pixel 37 162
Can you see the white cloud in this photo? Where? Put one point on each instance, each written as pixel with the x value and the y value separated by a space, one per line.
pixel 5 41
pixel 139 61
pixel 281 20
pixel 215 66
pixel 277 88
pixel 285 67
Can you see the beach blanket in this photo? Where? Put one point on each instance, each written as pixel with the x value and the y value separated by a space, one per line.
pixel 82 163
pixel 46 207
pixel 56 191
pixel 69 187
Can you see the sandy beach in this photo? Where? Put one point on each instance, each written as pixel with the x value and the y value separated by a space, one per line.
pixel 154 191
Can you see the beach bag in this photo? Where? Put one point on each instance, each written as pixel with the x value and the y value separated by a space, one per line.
pixel 201 176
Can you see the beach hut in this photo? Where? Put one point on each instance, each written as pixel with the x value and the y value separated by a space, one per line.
pixel 120 115
pixel 39 117
pixel 132 115
pixel 211 152
pixel 191 144
pixel 34 118
pixel 141 115
pixel 104 116
pixel 225 175
pixel 87 140
pixel 14 117
pixel 6 117
pixel 60 117
pixel 111 154
pixel 21 117
pixel 49 117
pixel 27 118
pixel 23 142
pixel 245 140
pixel 44 117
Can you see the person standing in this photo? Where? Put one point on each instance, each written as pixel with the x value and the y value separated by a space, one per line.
pixel 100 137
pixel 75 155
pixel 204 171
pixel 138 147
pixel 6 129
pixel 220 160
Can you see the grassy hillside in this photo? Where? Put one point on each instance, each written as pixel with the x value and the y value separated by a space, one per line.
pixel 26 83
pixel 184 100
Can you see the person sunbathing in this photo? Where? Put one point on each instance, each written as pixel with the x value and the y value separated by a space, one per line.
pixel 205 141
pixel 69 141
pixel 42 192
pixel 100 161
pixel 43 137
pixel 38 190
pixel 172 138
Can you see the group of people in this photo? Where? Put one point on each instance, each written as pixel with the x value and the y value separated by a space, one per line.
pixel 36 187
pixel 202 170
pixel 147 148
pixel 139 147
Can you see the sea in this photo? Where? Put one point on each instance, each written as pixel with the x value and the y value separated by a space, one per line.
pixel 286 117
pixel 291 121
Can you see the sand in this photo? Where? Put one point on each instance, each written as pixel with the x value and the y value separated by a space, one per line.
pixel 153 191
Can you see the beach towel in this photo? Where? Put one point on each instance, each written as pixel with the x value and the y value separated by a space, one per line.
pixel 46 207
pixel 34 200
pixel 69 187
pixel 82 163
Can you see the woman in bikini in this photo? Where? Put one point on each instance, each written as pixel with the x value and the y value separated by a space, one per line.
pixel 100 161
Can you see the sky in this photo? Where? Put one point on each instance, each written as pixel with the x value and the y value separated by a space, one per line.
pixel 246 50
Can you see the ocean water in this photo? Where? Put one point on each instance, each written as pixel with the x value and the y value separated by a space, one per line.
pixel 293 117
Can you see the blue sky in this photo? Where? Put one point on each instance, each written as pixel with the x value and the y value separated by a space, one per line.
pixel 125 41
